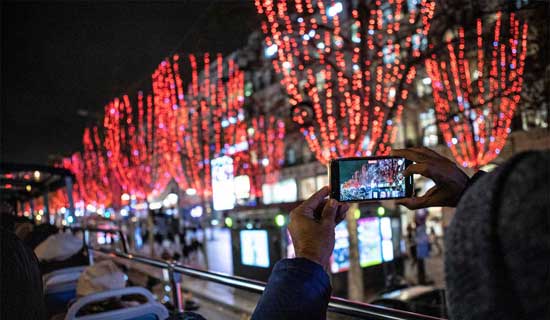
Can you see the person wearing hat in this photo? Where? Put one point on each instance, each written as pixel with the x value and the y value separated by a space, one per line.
pixel 21 282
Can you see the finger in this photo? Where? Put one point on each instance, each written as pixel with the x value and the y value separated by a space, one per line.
pixel 423 201
pixel 341 215
pixel 428 152
pixel 317 213
pixel 431 193
pixel 329 211
pixel 410 154
pixel 413 203
pixel 418 168
pixel 316 199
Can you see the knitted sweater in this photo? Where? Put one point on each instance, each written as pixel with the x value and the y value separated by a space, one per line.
pixel 497 261
pixel 21 283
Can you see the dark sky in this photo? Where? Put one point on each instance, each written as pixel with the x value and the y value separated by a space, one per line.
pixel 61 61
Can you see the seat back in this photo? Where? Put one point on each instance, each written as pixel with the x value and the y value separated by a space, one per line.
pixel 61 276
pixel 151 310
pixel 60 288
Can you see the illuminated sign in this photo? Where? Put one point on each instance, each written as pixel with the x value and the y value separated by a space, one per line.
pixel 254 248
pixel 280 192
pixel 307 188
pixel 223 187
pixel 340 255
pixel 196 212
pixel 242 187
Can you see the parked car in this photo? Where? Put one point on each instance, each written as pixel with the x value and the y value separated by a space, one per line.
pixel 426 300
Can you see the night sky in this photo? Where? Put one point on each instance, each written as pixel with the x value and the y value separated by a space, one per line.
pixel 62 62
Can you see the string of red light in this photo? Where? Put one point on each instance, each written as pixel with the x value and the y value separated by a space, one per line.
pixel 132 152
pixel 474 113
pixel 355 81
pixel 209 122
pixel 353 76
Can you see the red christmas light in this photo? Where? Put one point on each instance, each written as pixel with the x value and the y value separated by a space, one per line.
pixel 200 122
pixel 347 80
pixel 474 112
pixel 264 152
pixel 133 154
pixel 102 188
pixel 59 198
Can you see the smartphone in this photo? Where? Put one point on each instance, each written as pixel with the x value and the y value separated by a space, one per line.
pixel 369 179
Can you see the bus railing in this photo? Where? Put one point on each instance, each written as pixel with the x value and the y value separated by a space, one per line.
pixel 336 305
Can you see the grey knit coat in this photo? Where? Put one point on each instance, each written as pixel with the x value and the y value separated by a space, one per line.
pixel 497 261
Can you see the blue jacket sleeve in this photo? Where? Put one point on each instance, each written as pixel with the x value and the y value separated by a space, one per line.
pixel 297 289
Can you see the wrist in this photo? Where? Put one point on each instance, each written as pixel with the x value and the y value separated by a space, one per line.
pixel 314 257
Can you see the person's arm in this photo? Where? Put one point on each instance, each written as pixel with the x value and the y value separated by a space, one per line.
pixel 450 181
pixel 300 288
pixel 297 289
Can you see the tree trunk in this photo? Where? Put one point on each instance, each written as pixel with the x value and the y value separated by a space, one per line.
pixel 150 230
pixel 204 223
pixel 355 274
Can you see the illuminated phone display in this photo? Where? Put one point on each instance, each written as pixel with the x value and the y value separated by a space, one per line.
pixel 374 178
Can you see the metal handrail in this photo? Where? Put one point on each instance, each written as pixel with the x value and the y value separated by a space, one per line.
pixel 336 305
pixel 87 230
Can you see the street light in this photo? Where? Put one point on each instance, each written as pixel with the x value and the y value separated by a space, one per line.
pixel 228 222
pixel 280 220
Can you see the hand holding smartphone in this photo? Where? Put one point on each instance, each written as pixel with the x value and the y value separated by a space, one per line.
pixel 369 179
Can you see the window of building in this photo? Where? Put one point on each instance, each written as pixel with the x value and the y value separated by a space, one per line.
pixel 429 128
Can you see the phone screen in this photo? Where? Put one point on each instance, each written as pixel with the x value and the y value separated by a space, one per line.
pixel 373 178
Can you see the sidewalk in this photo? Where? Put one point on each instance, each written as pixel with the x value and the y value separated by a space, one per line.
pixel 238 301
pixel 435 271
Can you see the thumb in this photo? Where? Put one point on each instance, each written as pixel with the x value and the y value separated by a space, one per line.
pixel 329 211
pixel 413 203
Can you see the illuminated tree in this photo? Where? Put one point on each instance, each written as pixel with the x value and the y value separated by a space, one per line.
pixel 75 164
pixel 198 123
pixel 209 121
pixel 346 68
pixel 264 153
pixel 133 154
pixel 59 199
pixel 476 92
pixel 102 188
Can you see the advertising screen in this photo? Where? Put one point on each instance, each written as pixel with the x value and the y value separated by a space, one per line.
pixel 290 253
pixel 223 188
pixel 372 179
pixel 254 248
pixel 340 256
pixel 369 241
pixel 375 244
pixel 386 234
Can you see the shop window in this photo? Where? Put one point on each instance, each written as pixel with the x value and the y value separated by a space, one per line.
pixel 429 129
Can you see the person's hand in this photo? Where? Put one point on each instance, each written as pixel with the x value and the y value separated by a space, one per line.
pixel 450 181
pixel 312 227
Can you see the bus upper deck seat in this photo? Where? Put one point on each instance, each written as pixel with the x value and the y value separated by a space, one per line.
pixel 151 310
pixel 62 275
pixel 60 288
